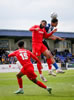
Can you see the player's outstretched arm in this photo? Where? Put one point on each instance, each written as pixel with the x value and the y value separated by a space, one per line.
pixel 59 38
pixel 47 35
pixel 34 28
pixel 53 37
pixel 11 54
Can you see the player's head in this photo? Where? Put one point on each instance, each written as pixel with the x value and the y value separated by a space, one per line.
pixel 21 44
pixel 54 22
pixel 43 23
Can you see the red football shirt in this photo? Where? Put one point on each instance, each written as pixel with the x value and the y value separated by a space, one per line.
pixel 37 36
pixel 24 56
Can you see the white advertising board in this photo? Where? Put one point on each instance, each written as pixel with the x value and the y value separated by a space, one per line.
pixel 15 67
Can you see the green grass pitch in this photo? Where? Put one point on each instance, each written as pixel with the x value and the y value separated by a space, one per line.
pixel 62 87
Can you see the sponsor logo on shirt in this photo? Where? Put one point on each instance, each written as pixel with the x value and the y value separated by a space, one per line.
pixel 36 53
pixel 41 32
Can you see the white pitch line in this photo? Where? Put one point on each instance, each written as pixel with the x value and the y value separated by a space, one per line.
pixel 62 76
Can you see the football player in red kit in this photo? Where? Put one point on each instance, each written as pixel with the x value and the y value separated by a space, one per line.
pixel 38 33
pixel 23 56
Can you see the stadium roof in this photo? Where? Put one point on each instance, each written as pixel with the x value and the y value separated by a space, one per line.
pixel 17 33
pixel 22 33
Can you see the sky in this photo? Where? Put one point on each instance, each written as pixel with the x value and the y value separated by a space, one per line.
pixel 22 14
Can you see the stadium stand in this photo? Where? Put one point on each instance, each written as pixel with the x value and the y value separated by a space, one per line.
pixel 62 56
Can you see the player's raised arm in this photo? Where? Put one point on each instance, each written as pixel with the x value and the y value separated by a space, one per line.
pixel 34 28
pixel 59 38
pixel 49 34
pixel 11 54
pixel 53 37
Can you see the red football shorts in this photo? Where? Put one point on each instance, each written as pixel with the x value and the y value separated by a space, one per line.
pixel 29 72
pixel 38 48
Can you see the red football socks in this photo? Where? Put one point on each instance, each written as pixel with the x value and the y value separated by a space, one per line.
pixel 49 62
pixel 20 82
pixel 39 68
pixel 41 84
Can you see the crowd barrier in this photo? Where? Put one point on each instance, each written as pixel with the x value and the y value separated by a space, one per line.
pixel 16 67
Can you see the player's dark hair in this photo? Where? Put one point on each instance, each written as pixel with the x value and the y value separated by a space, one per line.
pixel 21 43
pixel 54 20
pixel 44 21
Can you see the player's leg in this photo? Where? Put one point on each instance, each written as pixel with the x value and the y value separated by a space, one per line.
pixel 19 75
pixel 50 62
pixel 40 70
pixel 32 76
pixel 40 84
pixel 50 72
pixel 49 66
pixel 49 56
pixel 37 52
pixel 20 83
pixel 44 48
pixel 38 65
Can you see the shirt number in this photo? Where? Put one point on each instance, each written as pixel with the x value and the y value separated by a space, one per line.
pixel 24 56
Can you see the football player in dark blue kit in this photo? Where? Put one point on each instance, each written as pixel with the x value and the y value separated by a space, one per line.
pixel 49 28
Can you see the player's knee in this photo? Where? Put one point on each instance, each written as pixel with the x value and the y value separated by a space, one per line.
pixel 49 55
pixel 34 80
pixel 18 76
pixel 39 57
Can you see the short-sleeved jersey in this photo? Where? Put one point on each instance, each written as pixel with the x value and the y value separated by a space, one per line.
pixel 24 56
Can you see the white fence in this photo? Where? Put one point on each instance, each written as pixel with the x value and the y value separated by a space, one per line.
pixel 15 67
